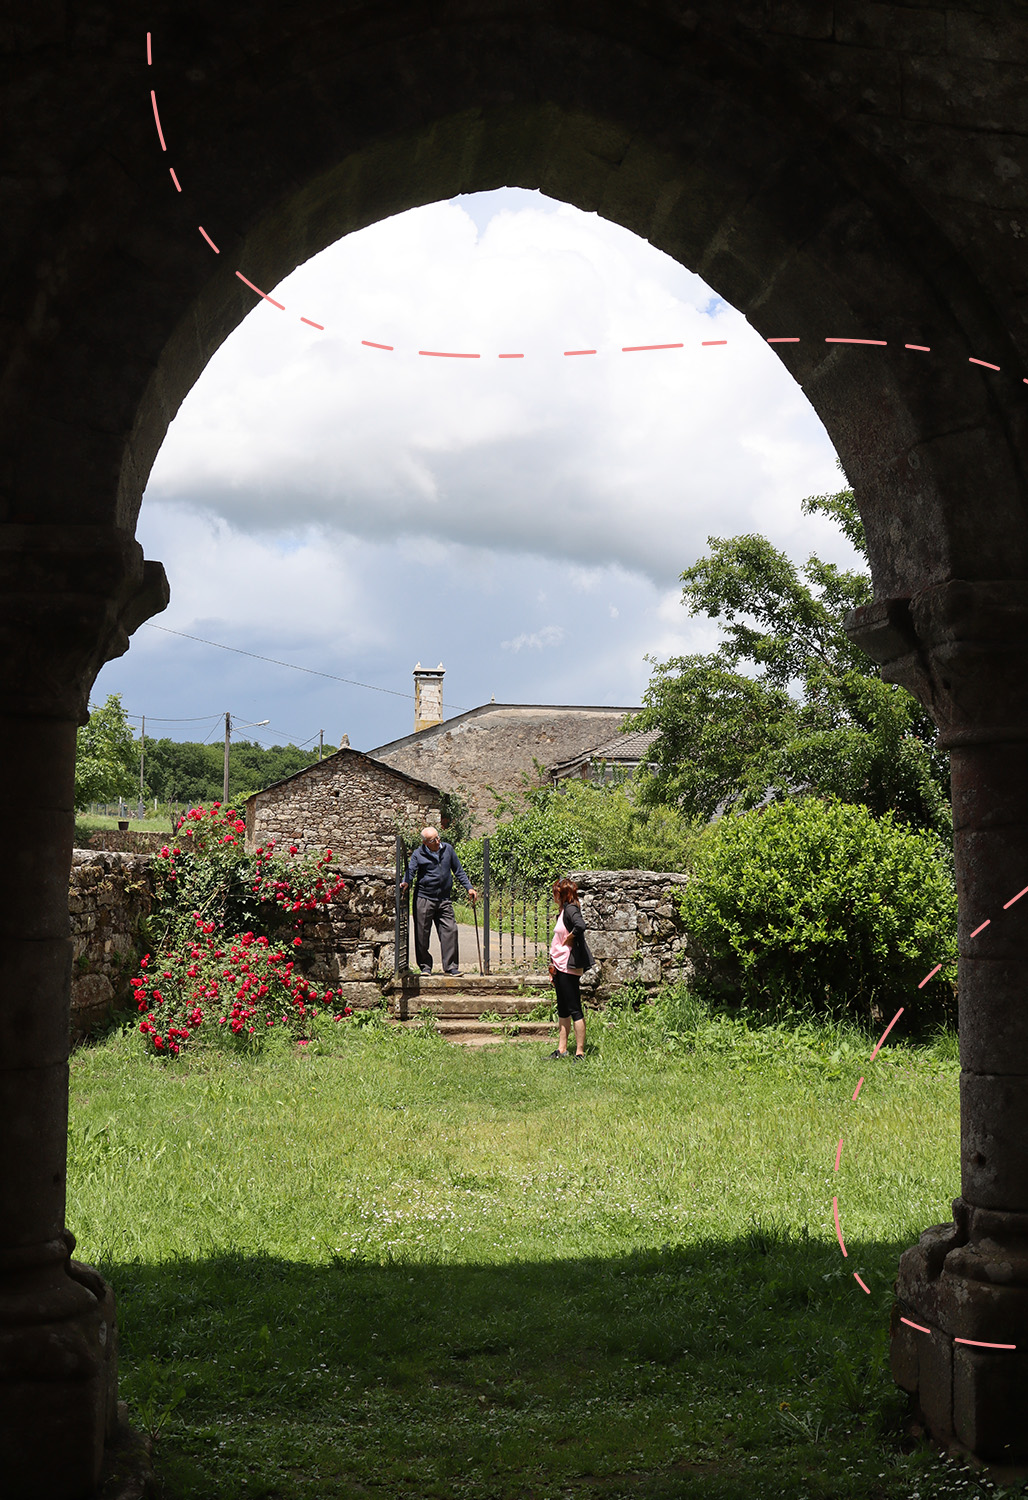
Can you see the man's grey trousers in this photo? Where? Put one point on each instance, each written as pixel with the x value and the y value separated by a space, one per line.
pixel 427 911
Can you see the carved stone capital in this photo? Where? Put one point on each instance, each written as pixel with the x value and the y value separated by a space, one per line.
pixel 961 648
pixel 70 597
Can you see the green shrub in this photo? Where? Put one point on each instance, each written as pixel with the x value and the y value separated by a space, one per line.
pixel 534 848
pixel 820 906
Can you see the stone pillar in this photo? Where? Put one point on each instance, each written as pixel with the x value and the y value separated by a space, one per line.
pixel 962 648
pixel 69 597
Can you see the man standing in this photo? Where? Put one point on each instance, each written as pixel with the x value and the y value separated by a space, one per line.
pixel 433 865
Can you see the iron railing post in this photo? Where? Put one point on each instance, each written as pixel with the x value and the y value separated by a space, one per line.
pixel 485 905
pixel 401 942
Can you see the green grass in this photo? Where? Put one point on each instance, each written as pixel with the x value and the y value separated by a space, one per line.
pixel 385 1266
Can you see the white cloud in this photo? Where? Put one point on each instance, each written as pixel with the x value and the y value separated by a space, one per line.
pixel 354 510
pixel 550 635
pixel 613 458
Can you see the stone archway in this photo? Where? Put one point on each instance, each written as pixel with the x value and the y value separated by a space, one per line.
pixel 776 158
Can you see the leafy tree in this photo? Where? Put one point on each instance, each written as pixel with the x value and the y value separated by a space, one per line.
pixel 817 716
pixel 819 904
pixel 106 756
pixel 580 825
pixel 185 771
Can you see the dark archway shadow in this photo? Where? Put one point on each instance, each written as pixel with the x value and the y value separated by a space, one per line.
pixel 743 1368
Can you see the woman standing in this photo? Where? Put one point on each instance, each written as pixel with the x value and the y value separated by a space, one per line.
pixel 569 959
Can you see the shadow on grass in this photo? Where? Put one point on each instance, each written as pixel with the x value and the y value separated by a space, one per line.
pixel 750 1368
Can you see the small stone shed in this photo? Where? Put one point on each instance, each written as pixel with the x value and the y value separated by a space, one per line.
pixel 349 803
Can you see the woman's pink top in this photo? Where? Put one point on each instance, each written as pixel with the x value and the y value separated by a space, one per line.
pixel 560 952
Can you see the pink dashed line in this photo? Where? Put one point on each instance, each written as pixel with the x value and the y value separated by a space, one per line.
pixel 319 326
pixel 987 366
pixel 368 344
pixel 711 343
pixel 882 342
pixel 838 1230
pixel 447 354
pixel 149 54
pixel 781 341
pixel 919 1326
pixel 885 1033
pixel 1015 898
pixel 935 971
pixel 630 348
pixel 857 1277
pixel 838 1154
pixel 510 356
pixel 923 348
pixel 982 927
pixel 981 1344
pixel 856 1091
pixel 208 239
pixel 578 351
pixel 175 180
pixel 260 293
pixel 160 132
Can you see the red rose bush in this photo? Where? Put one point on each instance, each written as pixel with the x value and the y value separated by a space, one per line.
pixel 224 961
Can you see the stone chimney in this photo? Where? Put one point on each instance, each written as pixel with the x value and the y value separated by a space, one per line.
pixel 428 696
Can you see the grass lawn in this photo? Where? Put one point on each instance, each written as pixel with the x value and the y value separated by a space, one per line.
pixel 381 1265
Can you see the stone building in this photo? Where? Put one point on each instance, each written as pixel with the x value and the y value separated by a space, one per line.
pixel 349 803
pixel 852 176
pixel 489 750
pixel 615 760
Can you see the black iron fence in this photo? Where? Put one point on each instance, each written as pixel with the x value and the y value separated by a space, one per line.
pixel 515 907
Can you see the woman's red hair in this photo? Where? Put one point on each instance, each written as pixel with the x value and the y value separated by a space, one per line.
pixel 565 891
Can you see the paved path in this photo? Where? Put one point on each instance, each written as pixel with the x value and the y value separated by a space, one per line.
pixel 468 952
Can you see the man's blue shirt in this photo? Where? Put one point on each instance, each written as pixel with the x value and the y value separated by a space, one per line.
pixel 434 871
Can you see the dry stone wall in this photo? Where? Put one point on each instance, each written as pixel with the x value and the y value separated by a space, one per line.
pixel 634 930
pixel 346 948
pixel 349 947
pixel 348 803
pixel 109 898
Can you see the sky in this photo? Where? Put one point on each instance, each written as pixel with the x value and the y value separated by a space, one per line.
pixel 354 510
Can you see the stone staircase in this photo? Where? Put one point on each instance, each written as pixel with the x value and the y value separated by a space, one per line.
pixel 457 1002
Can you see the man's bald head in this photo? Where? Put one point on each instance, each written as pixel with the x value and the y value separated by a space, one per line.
pixel 430 837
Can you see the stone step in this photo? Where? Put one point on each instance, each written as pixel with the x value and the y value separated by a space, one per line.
pixel 464 1006
pixel 434 986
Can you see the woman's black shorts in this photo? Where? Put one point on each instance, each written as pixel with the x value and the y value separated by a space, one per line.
pixel 569 995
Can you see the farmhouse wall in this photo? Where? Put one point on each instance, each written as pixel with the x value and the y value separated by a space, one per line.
pixel 634 929
pixel 348 803
pixel 493 746
pixel 109 897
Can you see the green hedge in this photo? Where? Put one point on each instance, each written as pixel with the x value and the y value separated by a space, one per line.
pixel 820 906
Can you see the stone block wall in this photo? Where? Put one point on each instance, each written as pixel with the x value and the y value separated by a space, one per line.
pixel 109 897
pixel 348 803
pixel 348 946
pixel 634 931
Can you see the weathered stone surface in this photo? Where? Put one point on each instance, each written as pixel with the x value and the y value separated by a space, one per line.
pixel 109 897
pixel 630 945
pixel 348 803
pixel 495 746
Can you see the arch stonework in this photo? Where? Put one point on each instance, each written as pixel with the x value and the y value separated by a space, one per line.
pixel 848 170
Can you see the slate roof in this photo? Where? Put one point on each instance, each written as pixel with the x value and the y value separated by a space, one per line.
pixel 630 747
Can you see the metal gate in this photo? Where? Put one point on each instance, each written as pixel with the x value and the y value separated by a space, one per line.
pixel 521 904
pixel 401 955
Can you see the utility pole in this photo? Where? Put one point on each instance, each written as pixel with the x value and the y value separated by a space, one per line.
pixel 142 754
pixel 228 736
pixel 321 742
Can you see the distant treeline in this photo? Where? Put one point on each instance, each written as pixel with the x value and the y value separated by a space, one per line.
pixel 184 771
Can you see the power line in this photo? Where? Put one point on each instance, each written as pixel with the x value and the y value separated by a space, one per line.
pixel 311 671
